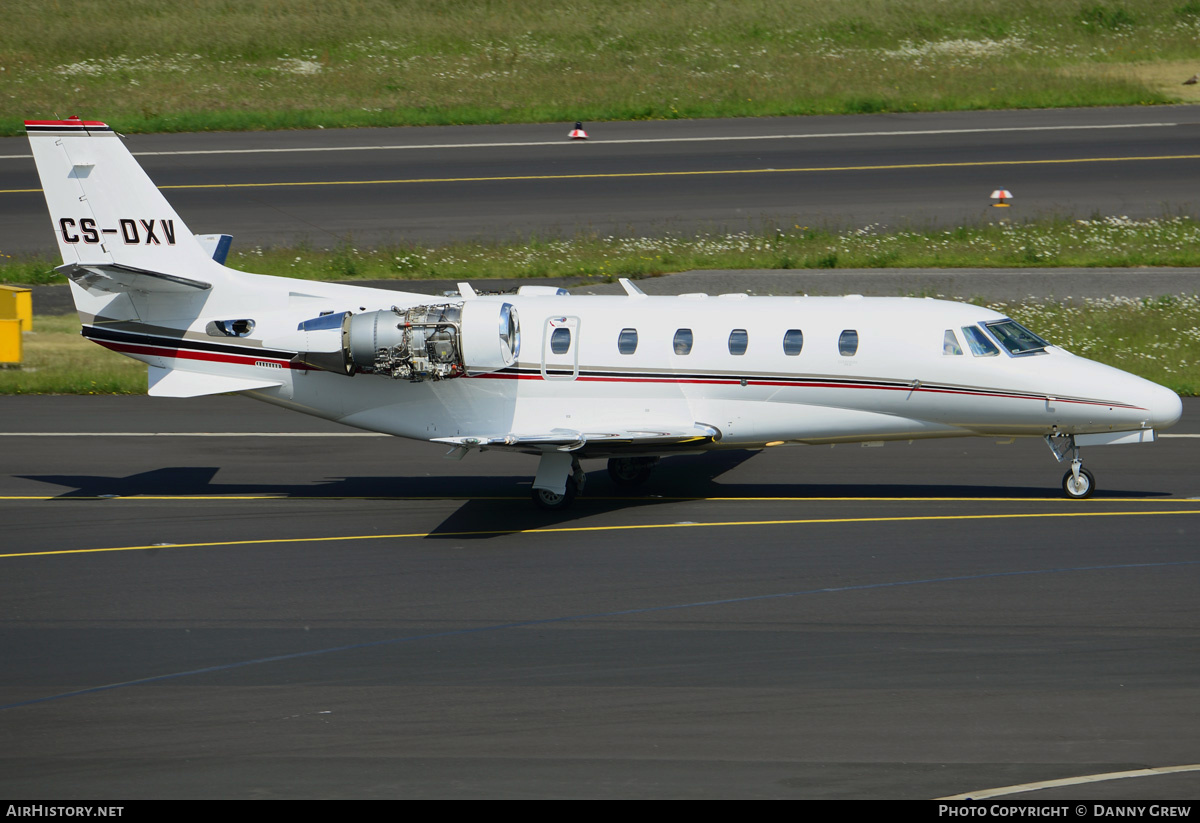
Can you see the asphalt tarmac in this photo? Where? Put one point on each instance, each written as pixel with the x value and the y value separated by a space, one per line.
pixel 190 607
pixel 325 188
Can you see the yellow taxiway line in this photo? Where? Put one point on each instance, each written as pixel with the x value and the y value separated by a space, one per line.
pixel 612 528
pixel 695 173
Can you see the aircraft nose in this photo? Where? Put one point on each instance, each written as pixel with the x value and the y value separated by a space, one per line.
pixel 1165 407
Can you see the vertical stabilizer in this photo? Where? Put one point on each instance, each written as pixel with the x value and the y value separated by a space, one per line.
pixel 104 208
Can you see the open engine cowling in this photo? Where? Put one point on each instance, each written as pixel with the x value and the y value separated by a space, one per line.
pixel 420 343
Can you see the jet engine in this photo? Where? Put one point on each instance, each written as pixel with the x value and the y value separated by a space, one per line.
pixel 419 343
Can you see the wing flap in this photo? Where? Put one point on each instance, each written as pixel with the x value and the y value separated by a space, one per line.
pixel 615 439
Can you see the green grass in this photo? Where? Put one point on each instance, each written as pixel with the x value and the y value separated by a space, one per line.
pixel 217 65
pixel 1158 339
pixel 1101 241
pixel 58 360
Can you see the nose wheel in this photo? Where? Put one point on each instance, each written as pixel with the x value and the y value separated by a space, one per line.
pixel 1078 483
pixel 1078 486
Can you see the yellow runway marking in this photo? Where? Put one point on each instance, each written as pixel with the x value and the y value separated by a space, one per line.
pixel 581 529
pixel 699 173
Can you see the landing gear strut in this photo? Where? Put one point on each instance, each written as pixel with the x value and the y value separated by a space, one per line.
pixel 1078 483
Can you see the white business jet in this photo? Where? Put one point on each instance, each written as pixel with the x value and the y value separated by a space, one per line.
pixel 561 377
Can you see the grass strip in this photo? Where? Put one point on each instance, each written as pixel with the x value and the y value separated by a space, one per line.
pixel 259 64
pixel 1096 242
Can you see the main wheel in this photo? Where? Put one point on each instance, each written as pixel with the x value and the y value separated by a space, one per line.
pixel 1079 489
pixel 552 502
pixel 628 472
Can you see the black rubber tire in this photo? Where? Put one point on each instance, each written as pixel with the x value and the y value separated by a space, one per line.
pixel 1081 490
pixel 630 472
pixel 551 502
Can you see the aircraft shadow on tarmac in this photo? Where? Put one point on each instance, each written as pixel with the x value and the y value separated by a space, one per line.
pixel 497 504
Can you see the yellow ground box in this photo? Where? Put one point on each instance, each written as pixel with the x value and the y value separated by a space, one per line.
pixel 10 341
pixel 16 303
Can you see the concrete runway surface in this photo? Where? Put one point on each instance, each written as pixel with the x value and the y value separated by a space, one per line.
pixel 204 610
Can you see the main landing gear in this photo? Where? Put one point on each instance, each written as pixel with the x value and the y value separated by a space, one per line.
pixel 631 472
pixel 560 478
pixel 1078 483
pixel 559 481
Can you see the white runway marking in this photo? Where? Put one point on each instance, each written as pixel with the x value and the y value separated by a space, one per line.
pixel 1071 781
pixel 714 139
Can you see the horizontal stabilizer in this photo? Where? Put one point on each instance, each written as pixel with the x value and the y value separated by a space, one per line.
pixel 614 440
pixel 115 278
pixel 180 383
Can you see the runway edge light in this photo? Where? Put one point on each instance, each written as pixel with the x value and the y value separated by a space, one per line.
pixel 578 133
pixel 1001 195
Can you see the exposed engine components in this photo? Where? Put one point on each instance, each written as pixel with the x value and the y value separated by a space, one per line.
pixel 418 343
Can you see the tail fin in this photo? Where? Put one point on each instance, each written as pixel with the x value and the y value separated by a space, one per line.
pixel 105 209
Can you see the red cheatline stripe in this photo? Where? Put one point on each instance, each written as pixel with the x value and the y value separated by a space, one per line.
pixel 186 354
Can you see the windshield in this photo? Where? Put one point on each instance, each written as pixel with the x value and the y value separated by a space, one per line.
pixel 1015 337
pixel 981 345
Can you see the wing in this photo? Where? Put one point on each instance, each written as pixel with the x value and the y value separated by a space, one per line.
pixel 592 443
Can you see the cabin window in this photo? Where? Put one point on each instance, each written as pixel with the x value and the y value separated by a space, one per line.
pixel 950 343
pixel 627 341
pixel 738 341
pixel 848 343
pixel 1015 337
pixel 981 345
pixel 560 340
pixel 683 341
pixel 793 342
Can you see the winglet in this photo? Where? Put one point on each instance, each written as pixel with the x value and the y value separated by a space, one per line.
pixel 630 288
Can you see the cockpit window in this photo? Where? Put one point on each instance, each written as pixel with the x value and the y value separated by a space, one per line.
pixel 950 343
pixel 981 345
pixel 1015 337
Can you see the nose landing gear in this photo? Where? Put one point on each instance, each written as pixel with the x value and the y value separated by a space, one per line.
pixel 1078 483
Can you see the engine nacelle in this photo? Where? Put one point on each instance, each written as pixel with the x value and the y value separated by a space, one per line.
pixel 421 343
